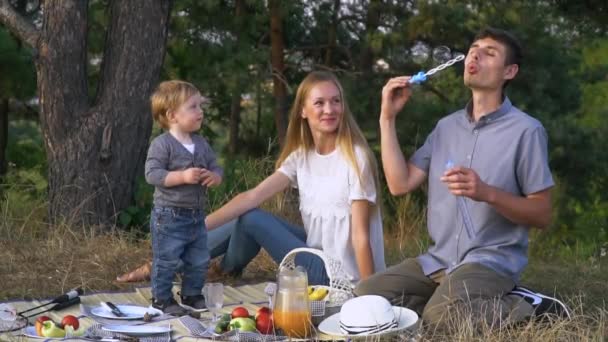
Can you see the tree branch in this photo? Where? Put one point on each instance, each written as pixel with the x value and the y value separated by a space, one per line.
pixel 16 23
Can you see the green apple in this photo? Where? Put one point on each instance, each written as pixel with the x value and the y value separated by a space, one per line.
pixel 70 332
pixel 242 324
pixel 50 329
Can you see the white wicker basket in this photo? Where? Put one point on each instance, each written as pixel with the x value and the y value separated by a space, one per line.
pixel 340 288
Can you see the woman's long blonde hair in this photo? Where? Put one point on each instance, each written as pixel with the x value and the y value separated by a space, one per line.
pixel 349 134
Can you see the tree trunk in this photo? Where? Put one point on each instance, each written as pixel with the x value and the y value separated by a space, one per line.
pixel 235 120
pixel 332 35
pixel 235 103
pixel 278 67
pixel 258 115
pixel 95 153
pixel 372 20
pixel 3 134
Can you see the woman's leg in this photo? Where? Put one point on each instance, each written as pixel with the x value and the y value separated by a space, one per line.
pixel 218 238
pixel 241 239
pixel 256 229
pixel 217 242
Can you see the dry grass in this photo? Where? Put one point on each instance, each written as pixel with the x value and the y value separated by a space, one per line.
pixel 462 326
pixel 65 258
pixel 39 260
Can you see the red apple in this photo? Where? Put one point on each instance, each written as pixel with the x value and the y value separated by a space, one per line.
pixel 262 310
pixel 239 312
pixel 70 320
pixel 39 322
pixel 263 323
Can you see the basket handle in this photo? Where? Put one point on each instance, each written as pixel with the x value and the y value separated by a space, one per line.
pixel 337 277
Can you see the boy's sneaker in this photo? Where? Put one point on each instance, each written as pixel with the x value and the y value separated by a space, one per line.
pixel 541 303
pixel 196 303
pixel 169 306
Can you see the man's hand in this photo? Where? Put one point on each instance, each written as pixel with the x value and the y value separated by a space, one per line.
pixel 395 94
pixel 209 178
pixel 463 181
pixel 192 175
pixel 532 210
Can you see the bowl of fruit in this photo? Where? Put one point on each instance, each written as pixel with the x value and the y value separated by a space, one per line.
pixel 45 327
pixel 240 321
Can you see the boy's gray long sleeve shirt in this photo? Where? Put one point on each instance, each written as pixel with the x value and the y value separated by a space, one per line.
pixel 167 154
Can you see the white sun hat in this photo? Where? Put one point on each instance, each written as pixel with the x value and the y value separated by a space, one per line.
pixel 368 316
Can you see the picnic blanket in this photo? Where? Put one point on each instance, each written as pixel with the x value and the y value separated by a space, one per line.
pixel 249 296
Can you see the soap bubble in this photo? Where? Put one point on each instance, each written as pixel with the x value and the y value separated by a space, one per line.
pixel 441 54
pixel 420 52
pixel 399 56
pixel 458 55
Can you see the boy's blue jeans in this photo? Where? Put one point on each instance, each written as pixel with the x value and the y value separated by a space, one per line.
pixel 179 237
pixel 240 241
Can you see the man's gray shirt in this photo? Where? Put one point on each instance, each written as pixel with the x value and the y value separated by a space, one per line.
pixel 167 154
pixel 508 150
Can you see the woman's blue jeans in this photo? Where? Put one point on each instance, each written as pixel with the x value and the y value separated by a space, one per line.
pixel 240 241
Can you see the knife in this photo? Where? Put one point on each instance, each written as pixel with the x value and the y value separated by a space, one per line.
pixel 115 310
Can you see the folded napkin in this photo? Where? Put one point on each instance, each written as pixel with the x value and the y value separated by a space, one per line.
pixel 14 325
pixel 195 327
pixel 96 331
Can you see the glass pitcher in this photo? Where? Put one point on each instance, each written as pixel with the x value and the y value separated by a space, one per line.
pixel 291 307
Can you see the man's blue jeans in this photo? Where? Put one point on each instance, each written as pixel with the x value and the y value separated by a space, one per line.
pixel 179 236
pixel 240 241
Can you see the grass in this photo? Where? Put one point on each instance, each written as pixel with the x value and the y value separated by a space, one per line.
pixel 39 260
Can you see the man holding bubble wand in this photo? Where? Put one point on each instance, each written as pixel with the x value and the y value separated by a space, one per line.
pixel 488 183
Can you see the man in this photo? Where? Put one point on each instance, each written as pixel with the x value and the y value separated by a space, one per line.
pixel 488 182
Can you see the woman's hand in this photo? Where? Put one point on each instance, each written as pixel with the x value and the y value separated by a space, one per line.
pixel 247 200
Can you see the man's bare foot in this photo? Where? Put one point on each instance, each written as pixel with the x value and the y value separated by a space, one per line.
pixel 140 274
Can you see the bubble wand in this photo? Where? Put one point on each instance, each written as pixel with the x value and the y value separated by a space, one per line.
pixel 422 76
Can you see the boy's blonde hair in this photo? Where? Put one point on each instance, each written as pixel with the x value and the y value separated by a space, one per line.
pixel 299 134
pixel 168 96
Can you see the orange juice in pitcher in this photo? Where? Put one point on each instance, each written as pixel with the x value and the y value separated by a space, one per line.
pixel 294 323
pixel 291 308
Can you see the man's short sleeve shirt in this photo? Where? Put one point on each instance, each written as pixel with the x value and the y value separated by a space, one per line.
pixel 508 150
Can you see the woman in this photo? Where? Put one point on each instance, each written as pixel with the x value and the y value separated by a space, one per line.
pixel 327 158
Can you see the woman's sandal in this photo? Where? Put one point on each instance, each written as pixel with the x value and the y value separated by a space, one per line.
pixel 142 273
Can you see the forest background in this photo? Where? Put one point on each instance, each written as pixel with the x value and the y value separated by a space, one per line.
pixel 75 77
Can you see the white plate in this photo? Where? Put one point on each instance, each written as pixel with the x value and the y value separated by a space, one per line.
pixel 131 312
pixel 137 330
pixel 406 319
pixel 31 332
